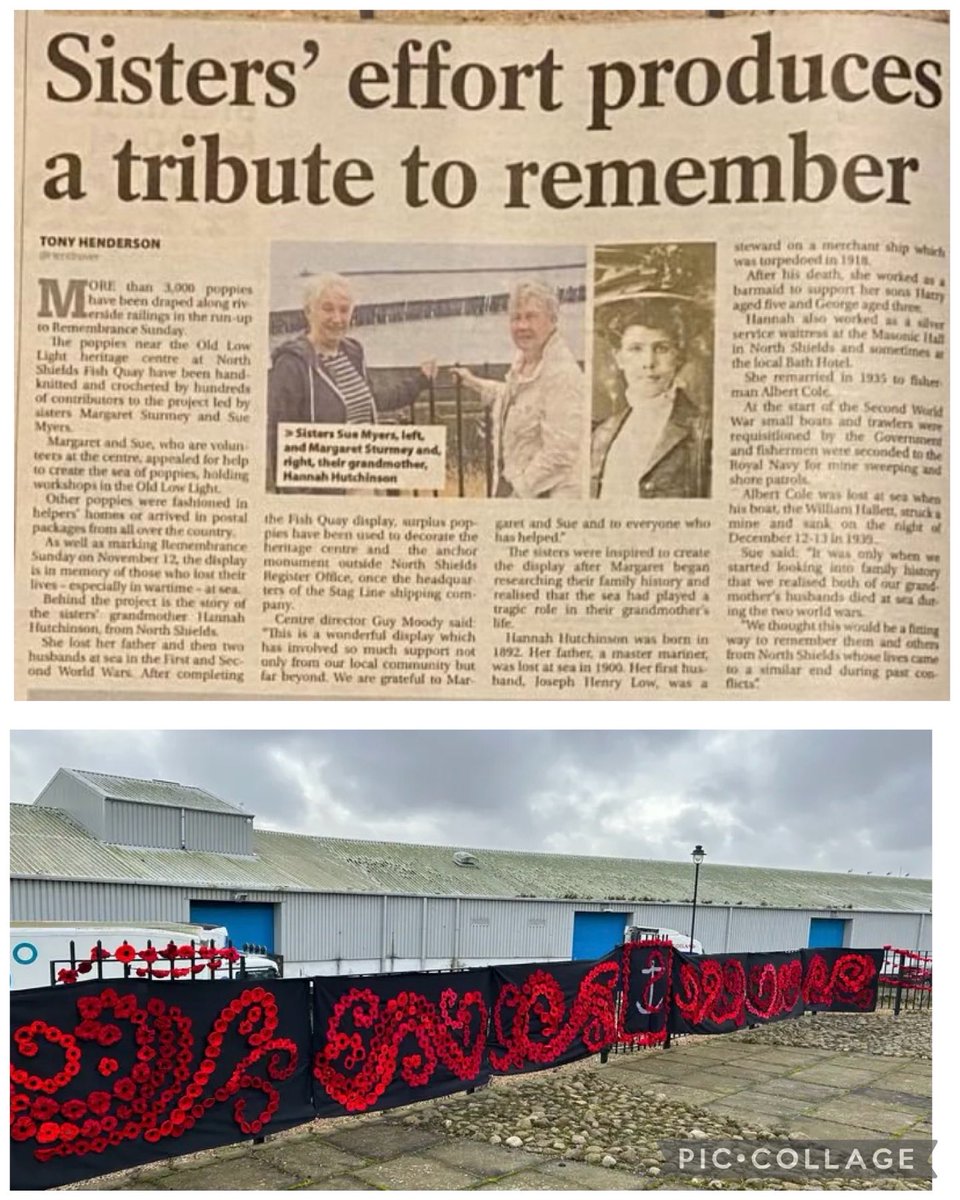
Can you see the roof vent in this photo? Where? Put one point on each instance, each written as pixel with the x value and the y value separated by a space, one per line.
pixel 463 858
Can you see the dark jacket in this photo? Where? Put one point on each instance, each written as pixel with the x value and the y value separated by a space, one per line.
pixel 681 459
pixel 299 389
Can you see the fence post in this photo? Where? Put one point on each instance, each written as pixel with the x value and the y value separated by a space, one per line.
pixel 898 995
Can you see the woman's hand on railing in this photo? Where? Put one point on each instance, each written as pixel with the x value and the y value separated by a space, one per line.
pixel 466 377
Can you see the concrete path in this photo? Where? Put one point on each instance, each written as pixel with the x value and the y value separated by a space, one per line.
pixel 823 1094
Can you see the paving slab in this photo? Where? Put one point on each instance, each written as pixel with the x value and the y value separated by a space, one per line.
pixel 338 1183
pixel 701 1097
pixel 663 1066
pixel 917 1085
pixel 529 1181
pixel 704 1050
pixel 788 1056
pixel 768 1110
pixel 868 1116
pixel 590 1178
pixel 892 1099
pixel 710 1080
pixel 835 1076
pixel 818 1129
pixel 798 1089
pixel 310 1158
pixel 866 1062
pixel 382 1140
pixel 248 1174
pixel 746 1073
pixel 481 1159
pixel 416 1173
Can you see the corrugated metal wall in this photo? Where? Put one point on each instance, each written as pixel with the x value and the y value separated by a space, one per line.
pixel 909 931
pixel 440 922
pixel 154 825
pixel 65 900
pixel 219 832
pixel 81 801
pixel 528 928
pixel 161 826
pixel 342 927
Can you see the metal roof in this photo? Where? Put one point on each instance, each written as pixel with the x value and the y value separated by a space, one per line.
pixel 157 791
pixel 46 842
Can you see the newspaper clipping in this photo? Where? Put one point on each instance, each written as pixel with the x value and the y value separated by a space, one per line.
pixel 411 360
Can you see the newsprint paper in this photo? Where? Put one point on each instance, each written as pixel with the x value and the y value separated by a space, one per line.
pixel 594 360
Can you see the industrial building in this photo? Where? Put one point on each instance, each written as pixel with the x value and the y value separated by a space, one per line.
pixel 96 847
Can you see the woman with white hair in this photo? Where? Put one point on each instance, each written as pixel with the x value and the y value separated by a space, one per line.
pixel 322 376
pixel 539 411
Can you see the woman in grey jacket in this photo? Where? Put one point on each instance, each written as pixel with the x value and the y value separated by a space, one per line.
pixel 322 376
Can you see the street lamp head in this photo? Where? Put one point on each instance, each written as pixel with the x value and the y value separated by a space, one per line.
pixel 698 854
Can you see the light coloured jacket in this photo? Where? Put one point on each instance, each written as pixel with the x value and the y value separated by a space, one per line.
pixel 539 432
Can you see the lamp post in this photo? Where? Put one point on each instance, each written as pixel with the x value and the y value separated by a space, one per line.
pixel 698 854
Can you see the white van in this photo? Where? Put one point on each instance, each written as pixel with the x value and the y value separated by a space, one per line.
pixel 33 945
pixel 635 933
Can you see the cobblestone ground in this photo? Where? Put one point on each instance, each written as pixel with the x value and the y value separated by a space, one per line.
pixel 906 1036
pixel 578 1113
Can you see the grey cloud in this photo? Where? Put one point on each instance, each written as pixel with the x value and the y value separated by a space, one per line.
pixel 817 799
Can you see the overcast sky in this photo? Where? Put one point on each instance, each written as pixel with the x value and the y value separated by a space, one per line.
pixel 834 800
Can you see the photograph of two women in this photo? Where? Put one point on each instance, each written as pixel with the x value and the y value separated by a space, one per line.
pixel 560 372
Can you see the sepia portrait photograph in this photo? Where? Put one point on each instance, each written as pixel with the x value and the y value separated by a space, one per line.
pixel 653 310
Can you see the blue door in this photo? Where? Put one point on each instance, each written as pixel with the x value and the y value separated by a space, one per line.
pixel 827 931
pixel 594 933
pixel 247 924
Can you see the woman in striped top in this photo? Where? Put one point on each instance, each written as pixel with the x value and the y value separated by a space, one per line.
pixel 322 375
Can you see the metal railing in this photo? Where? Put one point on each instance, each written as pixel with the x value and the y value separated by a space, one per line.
pixel 469 432
pixel 152 962
pixel 906 981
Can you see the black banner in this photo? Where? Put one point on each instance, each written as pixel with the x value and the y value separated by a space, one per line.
pixel 840 980
pixel 106 1077
pixel 545 1014
pixel 725 992
pixel 386 1040
pixel 646 979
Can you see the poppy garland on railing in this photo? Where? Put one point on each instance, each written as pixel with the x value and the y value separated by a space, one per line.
pixel 387 1040
pixel 840 980
pixel 115 1075
pixel 201 959
pixel 722 993
pixel 545 1015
